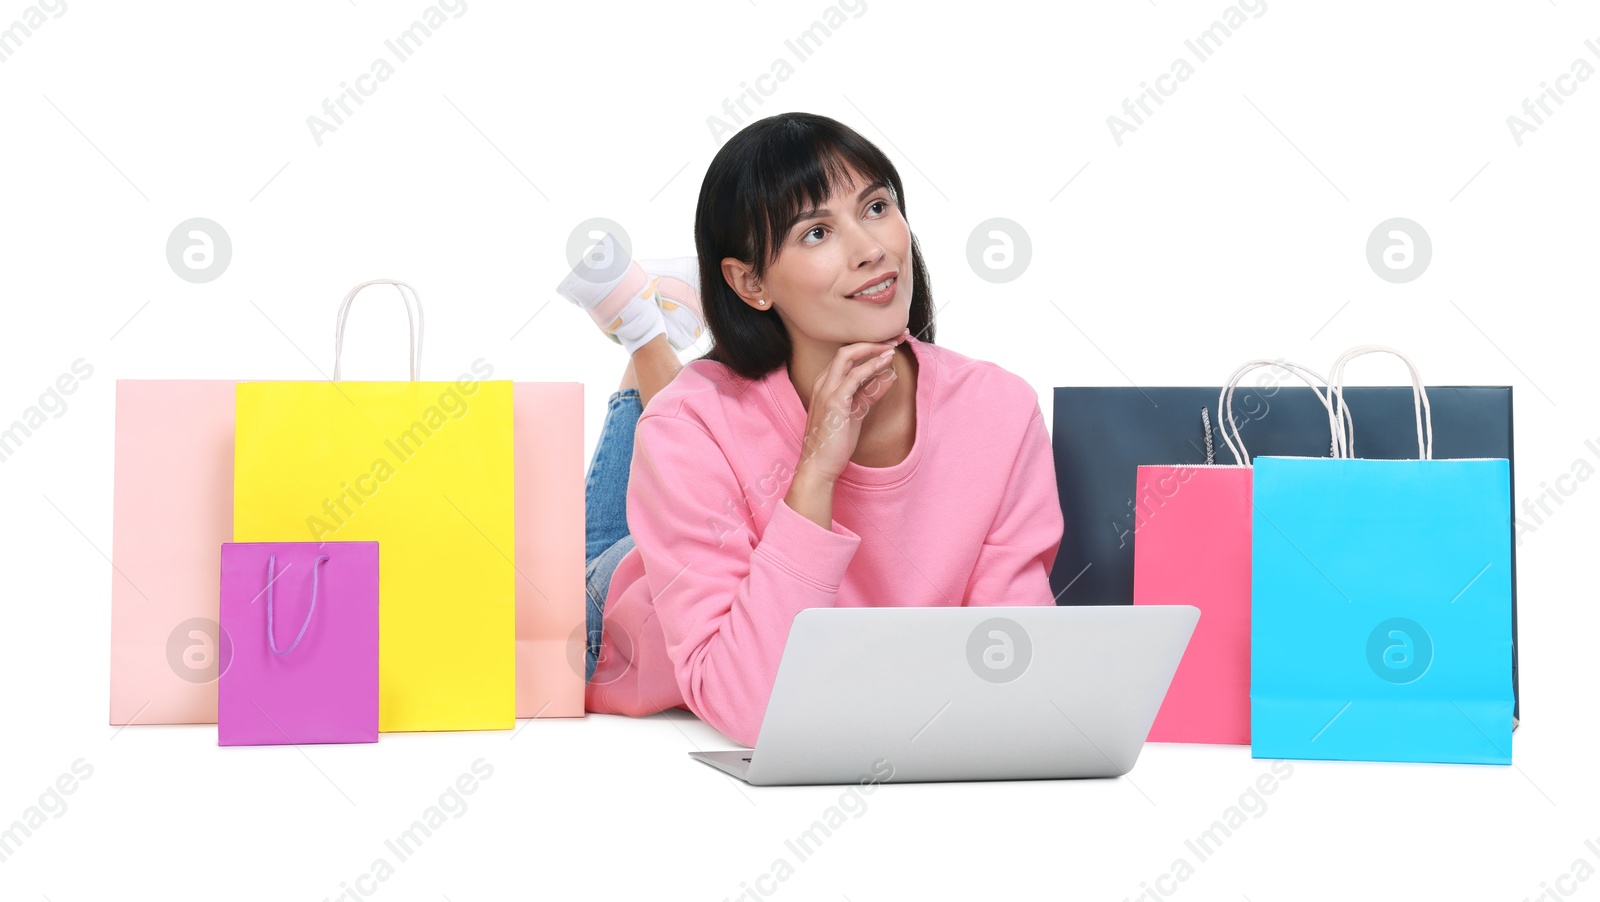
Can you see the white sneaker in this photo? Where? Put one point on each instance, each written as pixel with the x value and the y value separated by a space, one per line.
pixel 676 283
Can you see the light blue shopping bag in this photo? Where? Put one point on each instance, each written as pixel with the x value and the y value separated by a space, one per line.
pixel 1381 606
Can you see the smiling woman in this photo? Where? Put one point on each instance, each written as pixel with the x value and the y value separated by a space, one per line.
pixel 772 213
pixel 838 457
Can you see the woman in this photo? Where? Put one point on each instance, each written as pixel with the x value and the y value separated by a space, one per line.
pixel 824 452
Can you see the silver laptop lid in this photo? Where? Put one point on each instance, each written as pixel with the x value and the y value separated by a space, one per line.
pixel 967 693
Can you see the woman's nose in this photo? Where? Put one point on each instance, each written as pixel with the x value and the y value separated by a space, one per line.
pixel 865 247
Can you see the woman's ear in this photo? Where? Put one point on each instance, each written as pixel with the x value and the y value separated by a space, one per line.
pixel 742 279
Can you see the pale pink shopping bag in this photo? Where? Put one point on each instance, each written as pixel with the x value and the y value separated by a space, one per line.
pixel 548 426
pixel 1192 546
pixel 172 508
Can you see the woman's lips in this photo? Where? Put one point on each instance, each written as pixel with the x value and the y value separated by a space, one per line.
pixel 882 297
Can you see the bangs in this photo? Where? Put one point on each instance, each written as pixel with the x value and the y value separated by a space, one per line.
pixel 804 176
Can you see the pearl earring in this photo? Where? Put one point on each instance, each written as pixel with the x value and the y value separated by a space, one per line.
pixel 763 302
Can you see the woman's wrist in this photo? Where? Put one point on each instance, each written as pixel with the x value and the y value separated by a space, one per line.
pixel 811 497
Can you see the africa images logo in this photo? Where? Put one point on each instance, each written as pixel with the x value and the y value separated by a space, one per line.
pixel 1399 650
pixel 999 650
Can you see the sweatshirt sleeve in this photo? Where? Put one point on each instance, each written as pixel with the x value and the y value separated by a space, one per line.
pixel 724 600
pixel 1013 566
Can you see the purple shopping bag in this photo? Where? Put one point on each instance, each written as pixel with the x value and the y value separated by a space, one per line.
pixel 302 620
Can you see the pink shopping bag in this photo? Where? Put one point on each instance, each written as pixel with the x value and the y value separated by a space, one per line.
pixel 172 507
pixel 548 448
pixel 1195 549
pixel 302 620
pixel 1192 546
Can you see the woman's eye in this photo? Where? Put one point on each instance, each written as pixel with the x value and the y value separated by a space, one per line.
pixel 814 229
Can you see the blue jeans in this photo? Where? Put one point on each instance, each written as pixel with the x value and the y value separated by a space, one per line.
pixel 605 501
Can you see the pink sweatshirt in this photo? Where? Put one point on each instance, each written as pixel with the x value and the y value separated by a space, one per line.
pixel 699 611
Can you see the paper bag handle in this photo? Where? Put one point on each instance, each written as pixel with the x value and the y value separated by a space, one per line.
pixel 1235 441
pixel 408 295
pixel 1419 396
pixel 272 642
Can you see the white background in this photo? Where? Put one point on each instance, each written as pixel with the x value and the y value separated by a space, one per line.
pixel 1232 224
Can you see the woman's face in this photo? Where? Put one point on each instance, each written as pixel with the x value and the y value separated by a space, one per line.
pixel 857 238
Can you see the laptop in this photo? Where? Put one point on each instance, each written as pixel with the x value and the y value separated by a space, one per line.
pixel 925 694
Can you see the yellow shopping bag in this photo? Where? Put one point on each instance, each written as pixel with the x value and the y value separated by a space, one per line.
pixel 426 470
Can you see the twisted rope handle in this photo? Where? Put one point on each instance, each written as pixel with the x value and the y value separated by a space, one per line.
pixel 272 563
